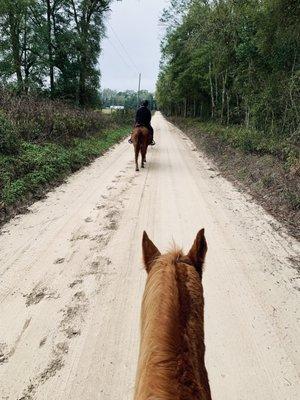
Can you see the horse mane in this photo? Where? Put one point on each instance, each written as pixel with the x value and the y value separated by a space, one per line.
pixel 168 318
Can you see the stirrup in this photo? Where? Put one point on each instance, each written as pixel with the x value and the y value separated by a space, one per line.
pixel 152 143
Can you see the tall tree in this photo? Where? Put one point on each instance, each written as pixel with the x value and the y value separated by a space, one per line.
pixel 53 46
pixel 12 17
pixel 235 62
pixel 88 18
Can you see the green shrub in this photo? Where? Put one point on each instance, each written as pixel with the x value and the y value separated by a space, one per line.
pixel 39 164
pixel 293 198
pixel 41 141
pixel 39 119
pixel 9 140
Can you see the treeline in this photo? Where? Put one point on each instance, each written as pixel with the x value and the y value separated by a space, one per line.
pixel 233 62
pixel 52 47
pixel 129 98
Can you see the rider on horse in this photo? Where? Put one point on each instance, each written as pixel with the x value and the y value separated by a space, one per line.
pixel 143 118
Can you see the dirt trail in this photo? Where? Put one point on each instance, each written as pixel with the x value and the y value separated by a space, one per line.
pixel 71 280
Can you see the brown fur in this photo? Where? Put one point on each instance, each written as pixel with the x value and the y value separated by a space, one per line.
pixel 171 361
pixel 140 140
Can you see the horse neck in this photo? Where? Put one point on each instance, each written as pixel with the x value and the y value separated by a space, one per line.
pixel 171 364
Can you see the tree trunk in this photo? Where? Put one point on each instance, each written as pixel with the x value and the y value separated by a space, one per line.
pixel 26 66
pixel 223 96
pixel 228 108
pixel 216 90
pixel 82 95
pixel 15 45
pixel 50 48
pixel 211 93
pixel 247 116
pixel 293 85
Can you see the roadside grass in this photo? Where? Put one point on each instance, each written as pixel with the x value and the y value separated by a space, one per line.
pixel 267 166
pixel 106 111
pixel 251 141
pixel 42 141
pixel 38 164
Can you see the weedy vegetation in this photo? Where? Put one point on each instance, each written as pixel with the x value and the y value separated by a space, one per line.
pixel 42 141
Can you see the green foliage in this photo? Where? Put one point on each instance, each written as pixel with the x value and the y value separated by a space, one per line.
pixel 121 117
pixel 233 62
pixel 129 99
pixel 41 141
pixel 52 46
pixel 248 140
pixel 9 141
pixel 40 164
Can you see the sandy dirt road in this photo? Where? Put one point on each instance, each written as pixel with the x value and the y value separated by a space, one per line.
pixel 71 280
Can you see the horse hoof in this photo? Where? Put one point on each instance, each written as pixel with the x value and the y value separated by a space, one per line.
pixel 137 170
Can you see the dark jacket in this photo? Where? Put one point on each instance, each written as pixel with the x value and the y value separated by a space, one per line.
pixel 143 116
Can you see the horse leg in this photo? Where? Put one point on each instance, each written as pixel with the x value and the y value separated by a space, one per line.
pixel 143 151
pixel 136 150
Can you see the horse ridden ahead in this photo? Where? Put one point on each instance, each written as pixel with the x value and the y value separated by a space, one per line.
pixel 142 134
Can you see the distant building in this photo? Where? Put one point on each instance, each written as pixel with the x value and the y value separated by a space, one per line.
pixel 117 107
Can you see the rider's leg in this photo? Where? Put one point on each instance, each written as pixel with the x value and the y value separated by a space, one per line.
pixel 151 141
pixel 130 139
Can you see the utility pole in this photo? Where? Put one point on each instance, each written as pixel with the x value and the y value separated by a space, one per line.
pixel 139 89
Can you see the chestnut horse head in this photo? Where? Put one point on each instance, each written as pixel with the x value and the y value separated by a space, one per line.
pixel 140 140
pixel 171 361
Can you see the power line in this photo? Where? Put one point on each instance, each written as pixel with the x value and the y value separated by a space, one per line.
pixel 124 48
pixel 127 54
pixel 119 54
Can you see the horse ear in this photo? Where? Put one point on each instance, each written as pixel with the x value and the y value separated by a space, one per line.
pixel 198 251
pixel 150 252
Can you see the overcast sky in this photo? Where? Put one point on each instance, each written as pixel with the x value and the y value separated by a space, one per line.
pixel 132 44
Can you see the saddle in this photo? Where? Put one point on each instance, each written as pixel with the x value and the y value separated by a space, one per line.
pixel 137 125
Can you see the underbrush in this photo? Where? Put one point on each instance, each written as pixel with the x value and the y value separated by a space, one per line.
pixel 38 120
pixel 36 165
pixel 268 167
pixel 42 141
pixel 249 140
